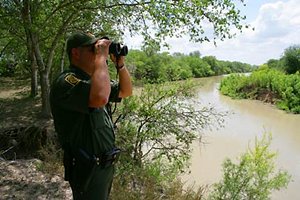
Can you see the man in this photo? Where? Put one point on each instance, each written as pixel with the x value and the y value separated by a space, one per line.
pixel 78 98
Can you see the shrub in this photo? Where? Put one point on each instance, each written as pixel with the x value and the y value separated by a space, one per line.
pixel 253 177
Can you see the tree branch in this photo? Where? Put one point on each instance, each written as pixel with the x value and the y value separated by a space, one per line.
pixel 59 34
pixel 4 48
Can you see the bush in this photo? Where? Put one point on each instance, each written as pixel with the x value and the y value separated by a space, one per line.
pixel 254 177
pixel 7 68
pixel 232 86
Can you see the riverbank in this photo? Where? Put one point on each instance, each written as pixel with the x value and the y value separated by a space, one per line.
pixel 267 85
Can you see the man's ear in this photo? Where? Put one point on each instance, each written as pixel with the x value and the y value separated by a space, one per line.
pixel 75 53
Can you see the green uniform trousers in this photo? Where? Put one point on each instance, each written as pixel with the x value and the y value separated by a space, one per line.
pixel 99 185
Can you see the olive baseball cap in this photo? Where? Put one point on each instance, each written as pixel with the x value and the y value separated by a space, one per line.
pixel 80 39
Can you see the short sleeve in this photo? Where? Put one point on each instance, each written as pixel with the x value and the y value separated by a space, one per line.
pixel 115 90
pixel 71 93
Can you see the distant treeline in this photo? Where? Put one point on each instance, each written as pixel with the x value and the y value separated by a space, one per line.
pixel 277 81
pixel 161 67
pixel 152 67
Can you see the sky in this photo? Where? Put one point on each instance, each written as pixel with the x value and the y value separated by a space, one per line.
pixel 277 27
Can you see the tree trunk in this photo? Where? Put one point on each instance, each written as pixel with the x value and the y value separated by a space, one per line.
pixel 37 64
pixel 34 83
pixel 62 61
pixel 34 70
pixel 44 77
pixel 31 56
pixel 45 90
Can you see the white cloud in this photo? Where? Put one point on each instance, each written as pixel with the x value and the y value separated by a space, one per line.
pixel 277 26
pixel 276 20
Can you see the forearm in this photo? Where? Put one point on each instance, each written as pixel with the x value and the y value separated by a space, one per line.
pixel 125 83
pixel 100 85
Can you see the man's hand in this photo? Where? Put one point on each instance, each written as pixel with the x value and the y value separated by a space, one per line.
pixel 119 62
pixel 102 47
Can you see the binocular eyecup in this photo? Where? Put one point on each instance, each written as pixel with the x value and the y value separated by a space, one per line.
pixel 117 49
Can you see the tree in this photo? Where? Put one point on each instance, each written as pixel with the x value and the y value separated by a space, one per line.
pixel 292 59
pixel 199 67
pixel 212 61
pixel 275 64
pixel 254 177
pixel 46 24
pixel 195 54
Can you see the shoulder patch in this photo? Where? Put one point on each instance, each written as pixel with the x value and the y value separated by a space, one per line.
pixel 73 80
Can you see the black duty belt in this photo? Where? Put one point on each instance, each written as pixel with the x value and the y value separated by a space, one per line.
pixel 104 160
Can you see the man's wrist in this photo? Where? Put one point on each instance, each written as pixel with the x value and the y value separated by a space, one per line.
pixel 120 67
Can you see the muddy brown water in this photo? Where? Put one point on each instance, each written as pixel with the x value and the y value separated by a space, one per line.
pixel 250 119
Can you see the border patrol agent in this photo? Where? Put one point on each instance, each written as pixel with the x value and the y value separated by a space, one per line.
pixel 78 98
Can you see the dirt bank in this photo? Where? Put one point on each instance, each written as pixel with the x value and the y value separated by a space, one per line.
pixel 22 136
pixel 21 179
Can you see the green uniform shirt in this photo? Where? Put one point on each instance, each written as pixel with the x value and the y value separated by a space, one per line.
pixel 77 125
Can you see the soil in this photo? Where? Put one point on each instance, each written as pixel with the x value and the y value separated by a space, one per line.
pixel 21 179
pixel 261 94
pixel 267 96
pixel 24 173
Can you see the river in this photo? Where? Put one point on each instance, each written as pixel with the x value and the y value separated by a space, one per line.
pixel 250 119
